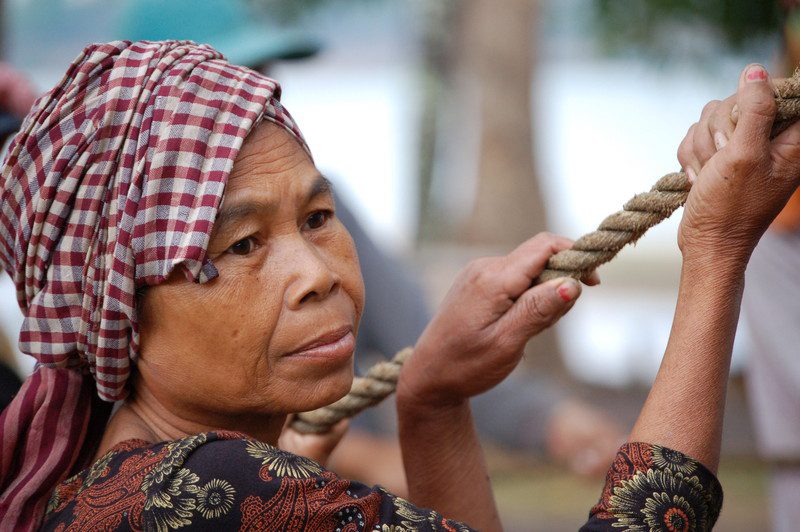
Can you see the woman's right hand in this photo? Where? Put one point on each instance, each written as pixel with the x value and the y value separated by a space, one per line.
pixel 478 336
pixel 742 179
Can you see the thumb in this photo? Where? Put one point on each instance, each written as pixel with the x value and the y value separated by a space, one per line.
pixel 540 307
pixel 755 100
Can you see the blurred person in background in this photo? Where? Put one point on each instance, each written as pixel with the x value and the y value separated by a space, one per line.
pixel 771 311
pixel 538 415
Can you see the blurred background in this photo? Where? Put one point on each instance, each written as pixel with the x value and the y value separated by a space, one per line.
pixel 458 128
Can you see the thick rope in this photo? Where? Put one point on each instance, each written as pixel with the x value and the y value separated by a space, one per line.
pixel 643 211
pixel 624 227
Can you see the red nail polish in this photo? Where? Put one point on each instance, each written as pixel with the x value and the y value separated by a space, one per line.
pixel 756 73
pixel 563 291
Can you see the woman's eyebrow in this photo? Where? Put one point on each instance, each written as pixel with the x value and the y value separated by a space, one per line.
pixel 229 215
pixel 321 185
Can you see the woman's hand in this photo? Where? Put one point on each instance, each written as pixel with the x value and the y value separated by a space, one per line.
pixel 472 343
pixel 318 447
pixel 477 337
pixel 741 181
pixel 741 178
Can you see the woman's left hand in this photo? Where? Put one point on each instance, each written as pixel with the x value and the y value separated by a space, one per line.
pixel 479 333
pixel 317 447
pixel 741 178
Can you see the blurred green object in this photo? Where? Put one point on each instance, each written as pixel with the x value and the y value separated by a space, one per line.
pixel 650 24
pixel 230 26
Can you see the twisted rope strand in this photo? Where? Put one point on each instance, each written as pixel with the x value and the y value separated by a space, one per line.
pixel 639 214
pixel 624 227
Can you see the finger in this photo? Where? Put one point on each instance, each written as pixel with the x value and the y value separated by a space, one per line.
pixel 702 138
pixel 317 447
pixel 527 261
pixel 593 279
pixel 538 308
pixel 686 155
pixel 720 124
pixel 756 103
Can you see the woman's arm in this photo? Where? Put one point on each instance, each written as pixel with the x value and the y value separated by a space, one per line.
pixel 743 180
pixel 685 406
pixel 444 464
pixel 474 341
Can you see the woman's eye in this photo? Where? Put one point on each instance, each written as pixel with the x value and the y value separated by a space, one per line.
pixel 318 219
pixel 244 246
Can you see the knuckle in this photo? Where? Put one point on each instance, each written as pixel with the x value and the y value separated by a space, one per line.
pixel 545 237
pixel 684 152
pixel 480 272
pixel 537 311
pixel 738 158
pixel 704 148
pixel 745 159
pixel 710 107
pixel 476 266
pixel 550 241
pixel 762 103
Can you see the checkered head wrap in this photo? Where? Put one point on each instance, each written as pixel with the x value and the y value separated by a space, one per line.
pixel 113 181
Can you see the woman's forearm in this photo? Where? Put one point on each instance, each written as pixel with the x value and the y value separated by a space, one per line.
pixel 685 407
pixel 444 463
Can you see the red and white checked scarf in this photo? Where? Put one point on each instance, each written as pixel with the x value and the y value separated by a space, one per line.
pixel 114 180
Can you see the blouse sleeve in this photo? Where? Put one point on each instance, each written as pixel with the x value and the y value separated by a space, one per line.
pixel 248 485
pixel 649 487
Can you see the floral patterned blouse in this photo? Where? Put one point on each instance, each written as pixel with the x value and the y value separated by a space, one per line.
pixel 227 481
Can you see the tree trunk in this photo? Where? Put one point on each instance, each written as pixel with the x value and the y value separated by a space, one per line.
pixel 497 42
pixel 483 186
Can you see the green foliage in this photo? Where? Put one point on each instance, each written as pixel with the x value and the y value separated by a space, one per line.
pixel 653 25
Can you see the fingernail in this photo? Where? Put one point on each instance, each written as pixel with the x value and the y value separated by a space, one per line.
pixel 735 113
pixel 691 175
pixel 755 73
pixel 720 140
pixel 568 289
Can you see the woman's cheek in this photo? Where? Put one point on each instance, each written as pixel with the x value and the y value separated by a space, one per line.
pixel 353 282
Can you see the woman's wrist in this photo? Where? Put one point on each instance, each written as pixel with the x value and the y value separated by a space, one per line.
pixel 422 388
pixel 720 263
pixel 417 406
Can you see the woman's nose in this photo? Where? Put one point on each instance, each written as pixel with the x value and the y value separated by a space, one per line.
pixel 311 277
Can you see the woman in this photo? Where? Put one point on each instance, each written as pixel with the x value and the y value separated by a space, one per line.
pixel 238 309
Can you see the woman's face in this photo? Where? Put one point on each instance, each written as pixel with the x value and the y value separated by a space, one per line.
pixel 274 332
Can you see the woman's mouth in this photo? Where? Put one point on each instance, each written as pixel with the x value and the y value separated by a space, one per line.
pixel 338 343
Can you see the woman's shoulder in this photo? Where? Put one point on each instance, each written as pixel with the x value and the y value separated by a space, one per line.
pixel 221 479
pixel 137 481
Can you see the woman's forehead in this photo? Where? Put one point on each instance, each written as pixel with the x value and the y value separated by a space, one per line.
pixel 263 195
pixel 269 150
pixel 269 138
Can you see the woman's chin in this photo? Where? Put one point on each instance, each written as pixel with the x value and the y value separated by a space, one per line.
pixel 325 391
